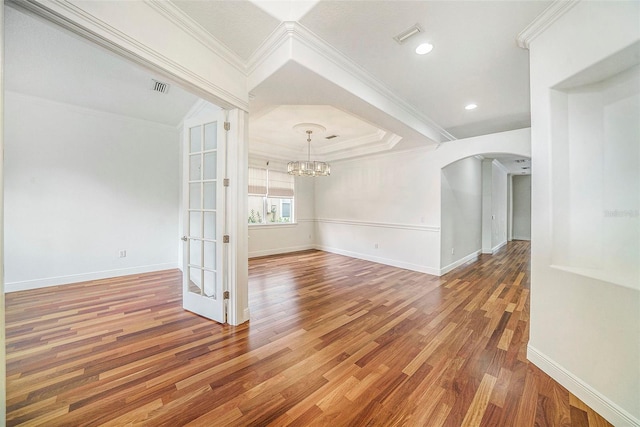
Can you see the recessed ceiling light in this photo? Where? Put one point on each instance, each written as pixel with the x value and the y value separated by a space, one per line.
pixel 424 48
pixel 470 107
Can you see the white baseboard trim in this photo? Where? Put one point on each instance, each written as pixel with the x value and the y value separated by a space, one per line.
pixel 84 277
pixel 498 246
pixel 380 260
pixel 521 238
pixel 594 399
pixel 494 249
pixel 277 251
pixel 472 256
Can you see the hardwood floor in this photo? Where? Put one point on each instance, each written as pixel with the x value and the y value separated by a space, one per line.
pixel 332 341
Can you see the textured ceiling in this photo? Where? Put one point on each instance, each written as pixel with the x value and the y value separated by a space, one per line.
pixel 45 61
pixel 516 165
pixel 475 59
pixel 475 56
pixel 277 127
pixel 238 24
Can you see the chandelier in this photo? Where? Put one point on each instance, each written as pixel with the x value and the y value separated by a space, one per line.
pixel 308 167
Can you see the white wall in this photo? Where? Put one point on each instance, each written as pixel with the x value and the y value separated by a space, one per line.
pixel 521 193
pixel 3 366
pixel 494 206
pixel 281 238
pixel 386 208
pixel 461 201
pixel 585 323
pixel 498 206
pixel 382 208
pixel 81 185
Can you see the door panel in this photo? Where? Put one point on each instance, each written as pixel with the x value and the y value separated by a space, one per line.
pixel 203 287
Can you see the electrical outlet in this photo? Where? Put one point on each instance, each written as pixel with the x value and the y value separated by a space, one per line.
pixel 452 251
pixel 123 253
pixel 375 246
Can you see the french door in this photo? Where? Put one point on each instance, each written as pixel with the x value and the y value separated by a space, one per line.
pixel 204 214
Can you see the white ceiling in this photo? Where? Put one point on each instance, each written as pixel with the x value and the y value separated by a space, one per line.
pixel 45 61
pixel 344 135
pixel 239 24
pixel 515 165
pixel 475 59
pixel 475 56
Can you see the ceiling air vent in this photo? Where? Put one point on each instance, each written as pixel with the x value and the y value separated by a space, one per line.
pixel 403 36
pixel 161 87
pixel 330 136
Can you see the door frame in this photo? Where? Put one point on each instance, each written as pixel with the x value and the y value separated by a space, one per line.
pixel 221 88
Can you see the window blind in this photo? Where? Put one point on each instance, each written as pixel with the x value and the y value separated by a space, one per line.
pixel 257 182
pixel 280 184
pixel 272 183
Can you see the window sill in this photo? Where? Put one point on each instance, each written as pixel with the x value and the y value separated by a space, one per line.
pixel 273 225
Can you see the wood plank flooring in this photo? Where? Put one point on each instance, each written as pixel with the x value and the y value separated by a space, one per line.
pixel 332 341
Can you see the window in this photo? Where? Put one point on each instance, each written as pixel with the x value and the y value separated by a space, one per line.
pixel 271 195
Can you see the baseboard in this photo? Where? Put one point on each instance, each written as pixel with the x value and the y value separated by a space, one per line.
pixel 380 260
pixel 594 399
pixel 84 277
pixel 528 238
pixel 497 247
pixel 494 249
pixel 277 251
pixel 472 256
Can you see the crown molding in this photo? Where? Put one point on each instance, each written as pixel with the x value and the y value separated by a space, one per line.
pixel 290 32
pixel 195 30
pixel 347 144
pixel 364 151
pixel 278 37
pixel 544 21
pixel 287 34
pixel 314 42
pixel 79 22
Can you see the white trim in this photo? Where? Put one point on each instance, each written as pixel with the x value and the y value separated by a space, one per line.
pixel 195 30
pixel 86 277
pixel 268 225
pixel 78 21
pixel 305 36
pixel 543 21
pixel 498 246
pixel 237 158
pixel 380 260
pixel 472 256
pixel 494 249
pixel 500 166
pixel 277 251
pixel 269 46
pixel 292 32
pixel 583 391
pixel 416 227
pixel 521 238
